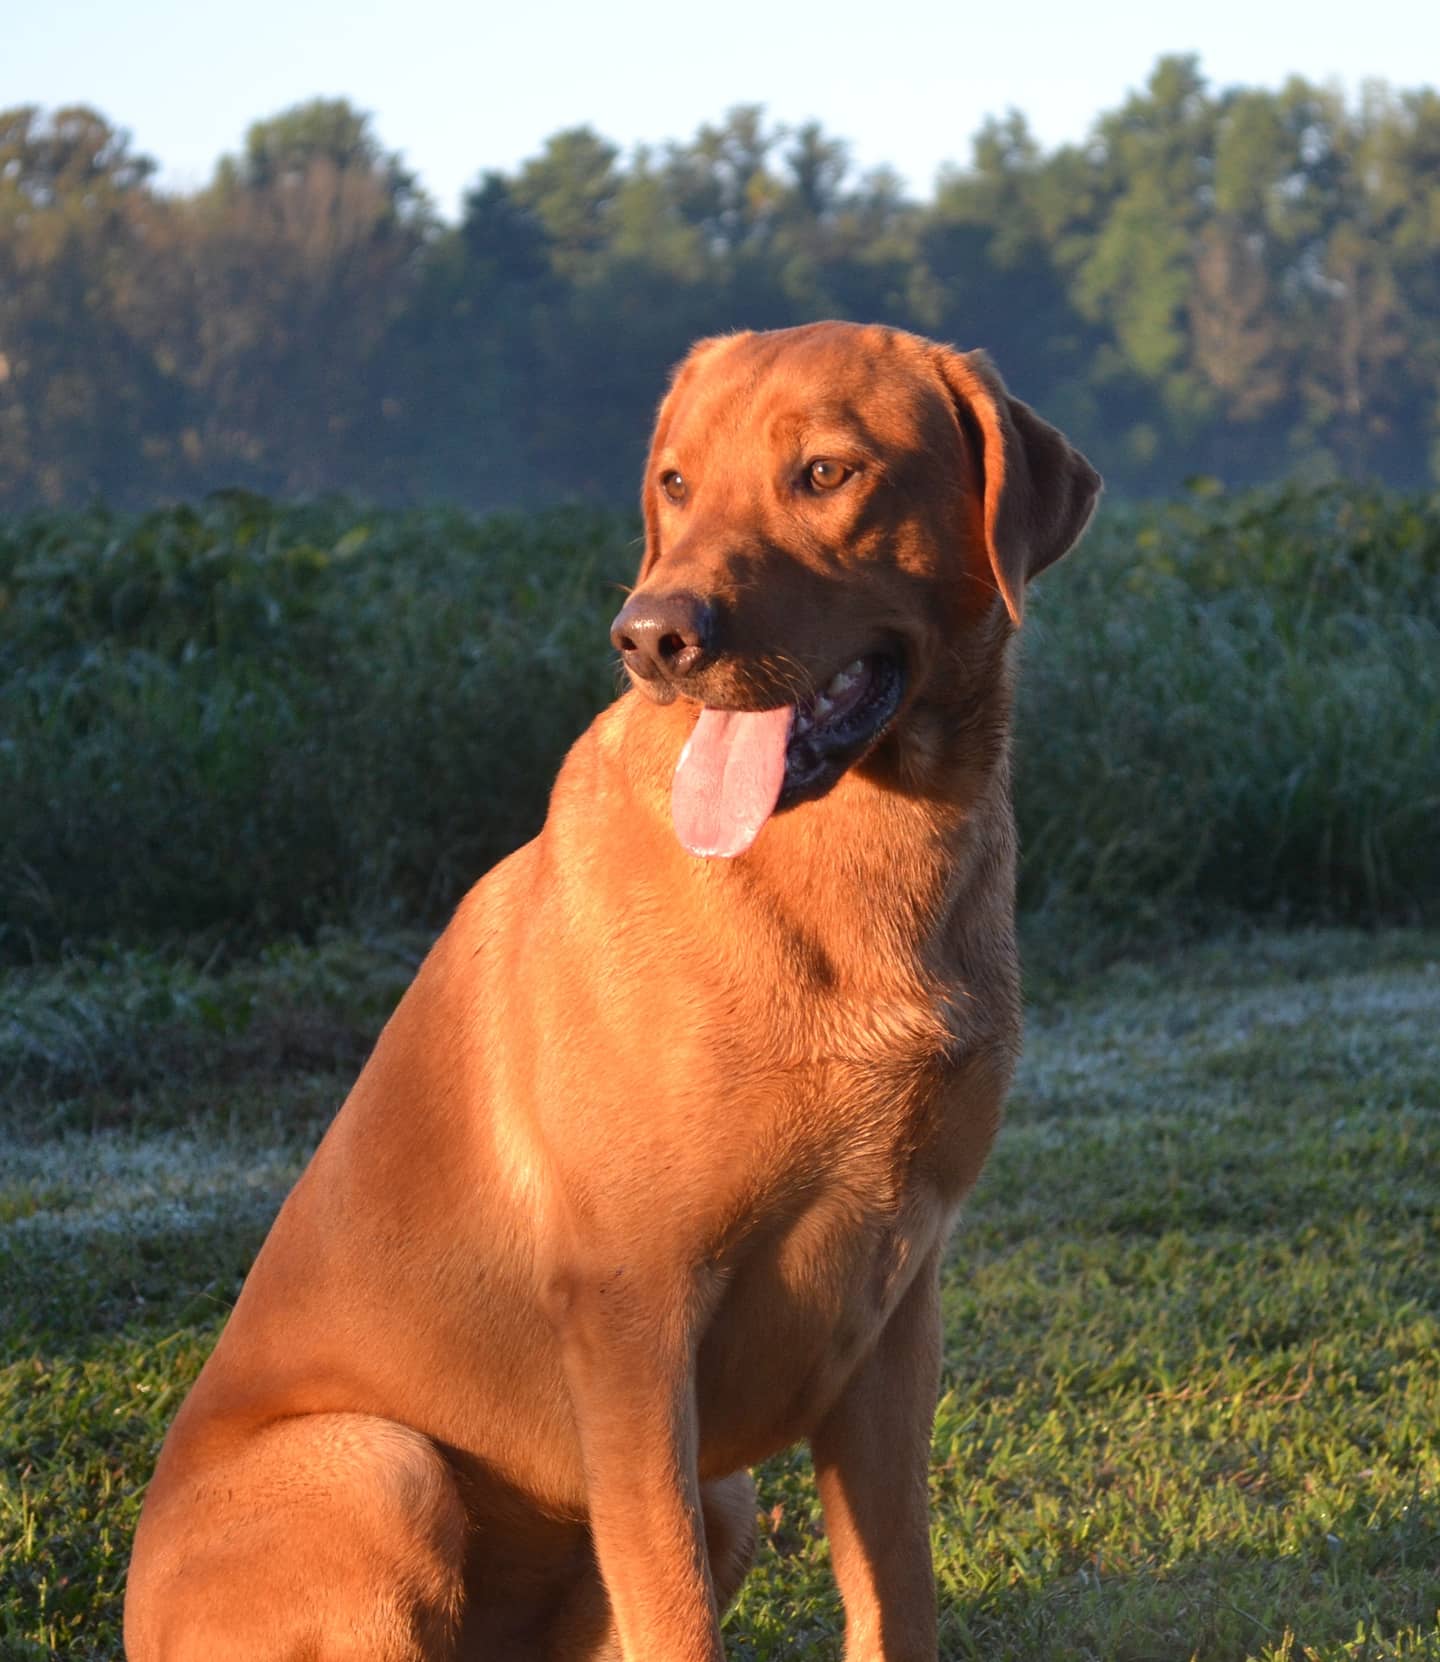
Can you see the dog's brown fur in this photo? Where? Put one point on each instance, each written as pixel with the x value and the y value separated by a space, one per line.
pixel 651 1171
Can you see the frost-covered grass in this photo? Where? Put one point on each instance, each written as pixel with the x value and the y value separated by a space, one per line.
pixel 1192 1391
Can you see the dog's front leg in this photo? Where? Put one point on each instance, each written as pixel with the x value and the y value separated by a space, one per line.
pixel 629 1363
pixel 872 1457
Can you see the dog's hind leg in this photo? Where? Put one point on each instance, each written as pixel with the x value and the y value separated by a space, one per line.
pixel 584 1631
pixel 320 1537
pixel 729 1507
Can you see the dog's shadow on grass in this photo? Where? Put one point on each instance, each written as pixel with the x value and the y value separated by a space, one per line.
pixel 1368 1590
pixel 1353 1593
pixel 1221 1607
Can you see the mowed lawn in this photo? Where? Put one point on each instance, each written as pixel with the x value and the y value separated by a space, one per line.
pixel 1192 1384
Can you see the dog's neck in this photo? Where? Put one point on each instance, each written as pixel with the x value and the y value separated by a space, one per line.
pixel 894 855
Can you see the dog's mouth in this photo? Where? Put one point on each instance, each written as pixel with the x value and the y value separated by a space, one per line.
pixel 740 766
pixel 835 727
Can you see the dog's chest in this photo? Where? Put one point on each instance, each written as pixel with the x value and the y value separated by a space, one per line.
pixel 883 1151
pixel 800 1312
pixel 895 1094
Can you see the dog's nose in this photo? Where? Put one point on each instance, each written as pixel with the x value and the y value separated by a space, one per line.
pixel 663 635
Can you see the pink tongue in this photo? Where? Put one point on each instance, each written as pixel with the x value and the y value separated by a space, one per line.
pixel 728 779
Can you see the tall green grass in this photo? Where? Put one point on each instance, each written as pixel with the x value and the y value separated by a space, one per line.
pixel 252 720
pixel 244 719
pixel 1234 703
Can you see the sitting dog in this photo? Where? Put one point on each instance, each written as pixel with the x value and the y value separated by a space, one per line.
pixel 651 1172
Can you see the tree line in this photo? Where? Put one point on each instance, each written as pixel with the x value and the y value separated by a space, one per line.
pixel 1237 282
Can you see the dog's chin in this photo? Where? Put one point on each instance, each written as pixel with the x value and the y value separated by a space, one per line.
pixel 657 692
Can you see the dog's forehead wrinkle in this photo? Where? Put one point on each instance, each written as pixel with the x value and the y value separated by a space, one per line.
pixel 703 408
pixel 807 429
pixel 800 396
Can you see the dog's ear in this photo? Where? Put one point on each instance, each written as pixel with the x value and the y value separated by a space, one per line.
pixel 648 505
pixel 1038 490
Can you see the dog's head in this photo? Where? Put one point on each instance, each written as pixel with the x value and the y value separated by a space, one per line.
pixel 828 510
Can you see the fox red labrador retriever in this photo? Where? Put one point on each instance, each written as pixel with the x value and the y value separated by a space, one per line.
pixel 651 1172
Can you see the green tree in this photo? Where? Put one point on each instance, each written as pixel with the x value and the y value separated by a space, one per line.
pixel 469 357
pixel 328 132
pixel 1155 158
pixel 722 183
pixel 570 188
pixel 84 400
pixel 303 255
pixel 991 247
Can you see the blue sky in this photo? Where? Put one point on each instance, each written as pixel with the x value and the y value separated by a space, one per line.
pixel 459 88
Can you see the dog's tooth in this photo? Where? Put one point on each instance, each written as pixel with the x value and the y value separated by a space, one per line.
pixel 844 679
pixel 823 707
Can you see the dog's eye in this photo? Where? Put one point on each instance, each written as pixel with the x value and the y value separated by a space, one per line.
pixel 825 475
pixel 673 484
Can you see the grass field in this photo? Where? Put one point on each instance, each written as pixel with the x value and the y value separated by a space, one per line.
pixel 1192 1388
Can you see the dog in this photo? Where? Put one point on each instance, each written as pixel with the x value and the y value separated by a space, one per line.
pixel 650 1174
